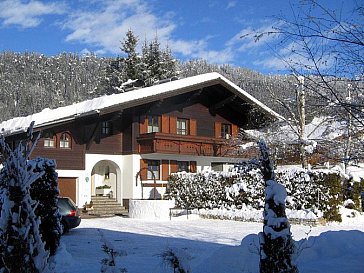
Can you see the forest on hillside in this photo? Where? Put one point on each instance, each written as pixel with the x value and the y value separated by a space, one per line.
pixel 30 82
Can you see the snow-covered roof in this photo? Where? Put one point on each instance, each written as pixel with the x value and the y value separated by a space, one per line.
pixel 127 100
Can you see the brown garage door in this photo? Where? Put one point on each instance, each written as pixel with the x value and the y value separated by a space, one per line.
pixel 67 187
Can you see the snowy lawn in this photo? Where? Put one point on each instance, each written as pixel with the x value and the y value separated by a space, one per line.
pixel 213 246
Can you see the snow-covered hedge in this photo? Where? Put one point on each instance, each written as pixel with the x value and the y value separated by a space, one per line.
pixel 312 190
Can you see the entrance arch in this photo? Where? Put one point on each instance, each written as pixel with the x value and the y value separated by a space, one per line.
pixel 106 172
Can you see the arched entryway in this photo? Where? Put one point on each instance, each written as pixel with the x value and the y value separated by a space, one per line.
pixel 106 173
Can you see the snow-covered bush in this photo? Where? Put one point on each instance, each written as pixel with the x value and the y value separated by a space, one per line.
pixel 351 192
pixel 201 190
pixel 21 246
pixel 312 190
pixel 45 191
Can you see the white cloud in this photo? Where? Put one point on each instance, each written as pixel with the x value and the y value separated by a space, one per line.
pixel 231 4
pixel 105 27
pixel 27 15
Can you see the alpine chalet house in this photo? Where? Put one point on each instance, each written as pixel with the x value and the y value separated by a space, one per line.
pixel 133 141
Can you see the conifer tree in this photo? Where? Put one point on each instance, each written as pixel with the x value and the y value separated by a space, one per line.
pixel 169 64
pixel 45 191
pixel 132 62
pixel 21 246
pixel 276 244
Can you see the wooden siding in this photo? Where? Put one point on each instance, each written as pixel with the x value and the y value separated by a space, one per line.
pixel 173 125
pixel 107 145
pixel 165 169
pixel 217 129
pixel 193 131
pixel 72 158
pixel 193 166
pixel 143 169
pixel 165 124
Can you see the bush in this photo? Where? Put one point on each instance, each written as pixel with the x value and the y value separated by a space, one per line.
pixel 352 191
pixel 312 190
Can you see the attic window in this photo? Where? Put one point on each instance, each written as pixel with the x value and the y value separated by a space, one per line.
pixel 65 141
pixel 49 140
pixel 153 124
pixel 182 126
pixel 106 128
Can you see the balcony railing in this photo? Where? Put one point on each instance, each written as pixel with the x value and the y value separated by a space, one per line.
pixel 188 145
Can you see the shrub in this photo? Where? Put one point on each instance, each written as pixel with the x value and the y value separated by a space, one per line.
pixel 313 190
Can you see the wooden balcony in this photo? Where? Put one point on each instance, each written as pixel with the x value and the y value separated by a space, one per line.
pixel 187 145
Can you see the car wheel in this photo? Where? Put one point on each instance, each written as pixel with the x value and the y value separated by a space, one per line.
pixel 64 227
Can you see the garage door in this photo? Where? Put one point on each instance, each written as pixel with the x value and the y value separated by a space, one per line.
pixel 67 187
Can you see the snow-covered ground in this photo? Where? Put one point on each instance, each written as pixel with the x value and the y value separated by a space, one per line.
pixel 213 246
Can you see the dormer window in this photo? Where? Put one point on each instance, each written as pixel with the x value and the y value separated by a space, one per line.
pixel 226 131
pixel 49 140
pixel 153 124
pixel 106 128
pixel 65 141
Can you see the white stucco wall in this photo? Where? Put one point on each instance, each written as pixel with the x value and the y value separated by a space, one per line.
pixel 92 159
pixel 128 187
pixel 150 209
pixel 82 194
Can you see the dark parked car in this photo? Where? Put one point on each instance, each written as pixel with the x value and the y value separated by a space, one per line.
pixel 69 212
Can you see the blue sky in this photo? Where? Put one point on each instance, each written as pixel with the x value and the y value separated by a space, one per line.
pixel 208 29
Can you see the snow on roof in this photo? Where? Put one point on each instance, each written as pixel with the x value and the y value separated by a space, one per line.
pixel 125 100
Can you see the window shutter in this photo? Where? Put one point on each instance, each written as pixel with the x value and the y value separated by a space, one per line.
pixel 218 129
pixel 174 166
pixel 144 169
pixel 143 125
pixel 193 166
pixel 165 170
pixel 234 130
pixel 173 125
pixel 165 124
pixel 192 127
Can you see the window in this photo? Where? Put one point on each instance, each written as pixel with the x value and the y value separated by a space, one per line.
pixel 153 124
pixel 49 140
pixel 221 166
pixel 183 166
pixel 106 128
pixel 182 126
pixel 65 141
pixel 153 166
pixel 226 131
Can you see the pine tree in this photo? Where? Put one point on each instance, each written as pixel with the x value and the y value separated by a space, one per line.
pixel 169 64
pixel 145 62
pixel 276 244
pixel 45 191
pixel 132 62
pixel 21 246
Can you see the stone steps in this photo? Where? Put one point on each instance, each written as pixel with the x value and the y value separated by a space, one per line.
pixel 105 206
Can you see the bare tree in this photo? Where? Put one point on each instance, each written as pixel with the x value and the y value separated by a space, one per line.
pixel 326 46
